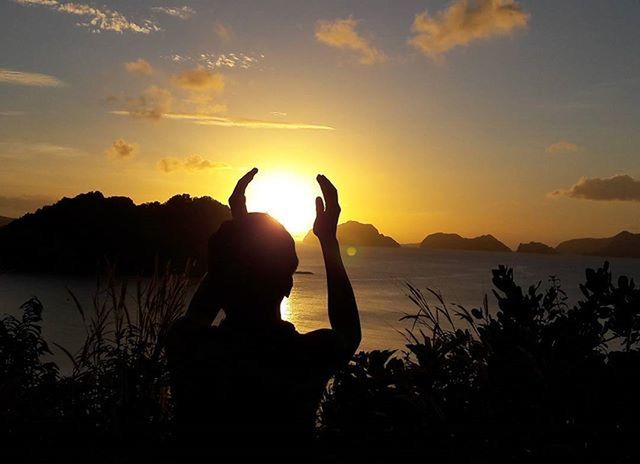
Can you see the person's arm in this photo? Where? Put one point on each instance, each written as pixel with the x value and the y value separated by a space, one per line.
pixel 343 310
pixel 204 306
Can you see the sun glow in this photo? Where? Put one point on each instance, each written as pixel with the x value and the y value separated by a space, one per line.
pixel 288 197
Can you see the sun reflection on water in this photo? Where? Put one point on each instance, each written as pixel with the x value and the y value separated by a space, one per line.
pixel 285 310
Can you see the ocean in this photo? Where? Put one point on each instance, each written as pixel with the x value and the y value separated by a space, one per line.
pixel 379 277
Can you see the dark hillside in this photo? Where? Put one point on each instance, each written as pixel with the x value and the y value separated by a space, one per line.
pixel 77 235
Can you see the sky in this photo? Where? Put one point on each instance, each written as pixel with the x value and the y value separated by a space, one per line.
pixel 512 118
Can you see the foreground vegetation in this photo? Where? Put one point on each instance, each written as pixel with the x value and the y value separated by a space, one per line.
pixel 532 377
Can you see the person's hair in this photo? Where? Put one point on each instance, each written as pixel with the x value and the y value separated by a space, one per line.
pixel 252 259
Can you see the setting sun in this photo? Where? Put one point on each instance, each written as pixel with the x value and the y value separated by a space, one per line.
pixel 286 196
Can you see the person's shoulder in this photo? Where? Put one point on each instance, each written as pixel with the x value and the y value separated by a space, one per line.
pixel 185 329
pixel 324 344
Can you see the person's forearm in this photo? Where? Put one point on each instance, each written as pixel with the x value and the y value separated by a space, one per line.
pixel 343 310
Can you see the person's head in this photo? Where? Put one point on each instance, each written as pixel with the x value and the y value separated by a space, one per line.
pixel 251 263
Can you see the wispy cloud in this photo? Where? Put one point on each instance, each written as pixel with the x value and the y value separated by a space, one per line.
pixel 169 164
pixel 221 60
pixel 200 80
pixel 621 188
pixel 11 76
pixel 209 120
pixel 341 33
pixel 224 32
pixel 12 113
pixel 182 12
pixel 94 18
pixel 466 21
pixel 190 163
pixel 154 103
pixel 122 150
pixel 140 67
pixel 22 149
pixel 560 147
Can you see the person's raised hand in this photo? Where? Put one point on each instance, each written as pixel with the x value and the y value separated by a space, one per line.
pixel 237 200
pixel 327 213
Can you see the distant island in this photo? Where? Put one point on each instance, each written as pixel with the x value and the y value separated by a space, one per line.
pixel 81 234
pixel 536 247
pixel 5 220
pixel 442 241
pixel 78 235
pixel 353 233
pixel 623 245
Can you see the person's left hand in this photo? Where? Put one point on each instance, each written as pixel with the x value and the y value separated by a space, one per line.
pixel 327 212
pixel 237 200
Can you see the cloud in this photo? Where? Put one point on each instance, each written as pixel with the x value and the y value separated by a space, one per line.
pixel 258 123
pixel 561 147
pixel 12 113
pixel 213 60
pixel 341 33
pixel 200 80
pixel 224 33
pixel 22 150
pixel 10 76
pixel 169 164
pixel 16 206
pixel 96 19
pixel 197 163
pixel 122 150
pixel 205 104
pixel 154 103
pixel 182 12
pixel 140 67
pixel 190 163
pixel 463 22
pixel 209 120
pixel 616 188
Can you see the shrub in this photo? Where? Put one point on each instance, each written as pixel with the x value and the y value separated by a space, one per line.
pixel 532 378
pixel 535 378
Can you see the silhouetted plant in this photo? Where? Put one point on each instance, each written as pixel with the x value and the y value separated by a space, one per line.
pixel 120 377
pixel 27 381
pixel 118 391
pixel 536 377
pixel 532 377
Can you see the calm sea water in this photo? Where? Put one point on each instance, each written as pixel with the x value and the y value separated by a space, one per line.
pixel 378 277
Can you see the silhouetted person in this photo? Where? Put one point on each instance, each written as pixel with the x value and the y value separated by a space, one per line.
pixel 254 382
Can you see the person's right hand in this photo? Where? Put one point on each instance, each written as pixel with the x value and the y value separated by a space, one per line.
pixel 327 212
pixel 237 200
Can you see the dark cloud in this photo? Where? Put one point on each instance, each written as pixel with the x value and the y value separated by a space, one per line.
pixel 190 163
pixel 154 103
pixel 200 79
pixel 615 188
pixel 122 150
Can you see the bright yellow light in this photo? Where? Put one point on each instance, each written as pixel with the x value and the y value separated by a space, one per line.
pixel 288 197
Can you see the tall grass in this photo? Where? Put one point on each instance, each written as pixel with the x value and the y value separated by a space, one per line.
pixel 529 377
